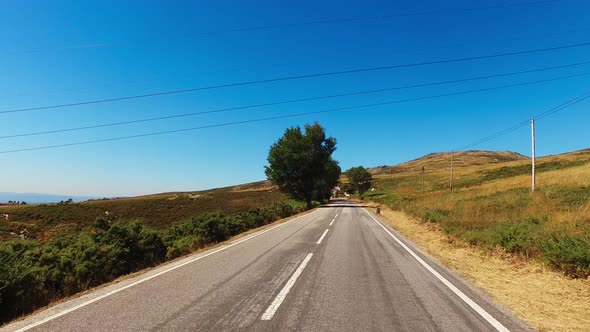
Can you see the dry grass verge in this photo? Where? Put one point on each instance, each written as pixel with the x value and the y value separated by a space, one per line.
pixel 544 298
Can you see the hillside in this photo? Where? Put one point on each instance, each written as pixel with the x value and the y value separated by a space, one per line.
pixel 441 160
pixel 158 211
pixel 492 205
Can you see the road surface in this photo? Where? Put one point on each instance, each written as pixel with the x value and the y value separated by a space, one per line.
pixel 337 268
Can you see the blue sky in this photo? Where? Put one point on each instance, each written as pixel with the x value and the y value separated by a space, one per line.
pixel 54 52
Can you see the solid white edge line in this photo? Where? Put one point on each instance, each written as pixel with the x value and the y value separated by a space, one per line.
pixel 67 311
pixel 495 323
pixel 322 237
pixel 274 306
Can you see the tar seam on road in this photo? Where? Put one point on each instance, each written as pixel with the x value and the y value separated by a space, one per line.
pixel 484 314
pixel 274 306
pixel 62 313
pixel 322 237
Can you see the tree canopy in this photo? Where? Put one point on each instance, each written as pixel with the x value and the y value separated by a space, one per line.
pixel 360 179
pixel 301 164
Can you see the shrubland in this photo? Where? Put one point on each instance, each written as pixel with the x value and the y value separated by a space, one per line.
pixel 35 272
pixel 492 206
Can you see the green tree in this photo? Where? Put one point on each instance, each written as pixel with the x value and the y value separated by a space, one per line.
pixel 301 164
pixel 360 179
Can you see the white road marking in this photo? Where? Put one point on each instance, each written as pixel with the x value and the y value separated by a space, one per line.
pixel 274 306
pixel 59 314
pixel 331 222
pixel 322 237
pixel 495 323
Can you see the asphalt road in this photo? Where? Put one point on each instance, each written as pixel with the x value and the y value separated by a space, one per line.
pixel 334 269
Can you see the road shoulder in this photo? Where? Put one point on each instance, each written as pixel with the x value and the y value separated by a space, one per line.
pixel 545 299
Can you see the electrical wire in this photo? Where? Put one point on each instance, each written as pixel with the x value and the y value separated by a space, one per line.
pixel 519 125
pixel 237 108
pixel 285 116
pixel 298 77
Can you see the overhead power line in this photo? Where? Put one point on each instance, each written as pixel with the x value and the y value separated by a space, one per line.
pixel 298 77
pixel 237 108
pixel 526 122
pixel 340 109
pixel 285 25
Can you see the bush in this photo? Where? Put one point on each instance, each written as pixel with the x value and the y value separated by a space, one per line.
pixel 569 254
pixel 33 273
pixel 515 238
pixel 183 246
pixel 20 280
pixel 436 215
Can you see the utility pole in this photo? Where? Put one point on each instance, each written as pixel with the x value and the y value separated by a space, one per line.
pixel 451 181
pixel 533 155
pixel 422 179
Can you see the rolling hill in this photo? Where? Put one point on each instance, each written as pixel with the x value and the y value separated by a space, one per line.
pixel 441 160
pixel 492 206
pixel 158 211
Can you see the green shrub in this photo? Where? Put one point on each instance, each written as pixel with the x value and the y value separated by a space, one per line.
pixel 184 245
pixel 515 238
pixel 33 273
pixel 436 215
pixel 283 210
pixel 568 254
pixel 20 279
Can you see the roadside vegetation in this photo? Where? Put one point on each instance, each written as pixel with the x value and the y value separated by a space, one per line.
pixel 159 212
pixel 33 273
pixel 492 205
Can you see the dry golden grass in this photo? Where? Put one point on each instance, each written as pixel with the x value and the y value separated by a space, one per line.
pixel 492 212
pixel 467 208
pixel 440 161
pixel 545 299
pixel 489 191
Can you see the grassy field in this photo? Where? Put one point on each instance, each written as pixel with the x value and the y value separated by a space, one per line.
pixel 158 211
pixel 492 205
pixel 562 305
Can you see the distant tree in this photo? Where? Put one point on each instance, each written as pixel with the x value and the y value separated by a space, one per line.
pixel 347 188
pixel 360 179
pixel 23 203
pixel 301 164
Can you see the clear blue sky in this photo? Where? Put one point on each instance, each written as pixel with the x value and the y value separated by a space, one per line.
pixel 55 52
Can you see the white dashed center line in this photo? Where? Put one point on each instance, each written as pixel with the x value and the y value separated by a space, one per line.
pixel 274 306
pixel 322 237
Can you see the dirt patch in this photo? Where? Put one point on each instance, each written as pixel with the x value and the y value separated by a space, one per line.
pixel 545 299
